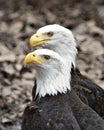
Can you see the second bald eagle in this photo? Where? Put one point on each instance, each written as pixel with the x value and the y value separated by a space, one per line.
pixel 61 40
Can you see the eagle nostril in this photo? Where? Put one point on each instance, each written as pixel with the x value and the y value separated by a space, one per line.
pixel 37 36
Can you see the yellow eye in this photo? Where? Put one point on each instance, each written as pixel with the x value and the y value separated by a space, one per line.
pixel 50 34
pixel 47 57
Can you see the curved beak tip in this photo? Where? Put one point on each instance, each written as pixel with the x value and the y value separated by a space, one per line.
pixel 31 42
pixel 24 63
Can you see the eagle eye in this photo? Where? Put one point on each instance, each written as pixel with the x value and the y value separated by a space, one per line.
pixel 47 57
pixel 50 34
pixel 33 55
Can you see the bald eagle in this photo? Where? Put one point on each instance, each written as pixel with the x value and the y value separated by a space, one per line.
pixel 61 40
pixel 56 106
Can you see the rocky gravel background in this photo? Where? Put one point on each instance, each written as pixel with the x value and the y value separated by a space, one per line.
pixel 18 21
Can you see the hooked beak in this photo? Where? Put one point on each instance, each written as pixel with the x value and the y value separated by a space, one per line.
pixel 37 39
pixel 31 58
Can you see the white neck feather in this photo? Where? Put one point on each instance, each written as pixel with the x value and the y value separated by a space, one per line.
pixel 53 81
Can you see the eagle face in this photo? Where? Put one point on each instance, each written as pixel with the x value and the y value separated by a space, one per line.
pixel 51 35
pixel 43 58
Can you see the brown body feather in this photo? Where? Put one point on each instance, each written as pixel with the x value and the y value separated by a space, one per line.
pixel 89 92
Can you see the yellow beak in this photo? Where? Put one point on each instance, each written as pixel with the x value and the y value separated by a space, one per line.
pixel 36 40
pixel 31 58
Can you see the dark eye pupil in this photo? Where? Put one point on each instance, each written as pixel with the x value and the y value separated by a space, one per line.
pixel 47 57
pixel 50 34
